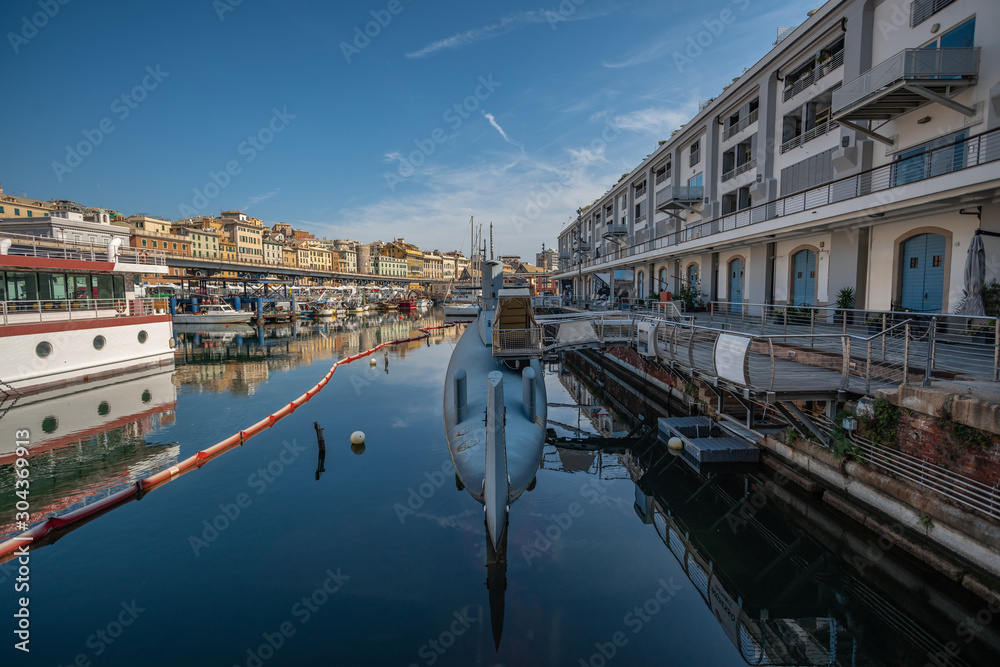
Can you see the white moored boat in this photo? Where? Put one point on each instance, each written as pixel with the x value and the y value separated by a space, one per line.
pixel 69 313
pixel 219 312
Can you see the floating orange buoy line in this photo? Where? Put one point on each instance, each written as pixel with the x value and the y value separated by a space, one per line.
pixel 197 460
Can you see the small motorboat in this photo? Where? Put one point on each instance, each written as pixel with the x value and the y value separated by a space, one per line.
pixel 214 312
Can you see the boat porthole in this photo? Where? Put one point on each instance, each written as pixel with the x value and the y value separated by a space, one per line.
pixel 146 396
pixel 43 349
pixel 99 342
pixel 103 409
pixel 50 424
pixel 143 336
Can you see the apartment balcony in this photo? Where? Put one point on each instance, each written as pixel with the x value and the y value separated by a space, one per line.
pixel 743 123
pixel 907 80
pixel 818 131
pixel 679 196
pixel 583 246
pixel 616 231
pixel 821 69
pixel 742 169
pixel 565 255
pixel 660 177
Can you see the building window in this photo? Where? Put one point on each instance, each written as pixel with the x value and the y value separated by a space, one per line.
pixel 144 243
pixel 17 211
pixel 29 214
pixel 695 153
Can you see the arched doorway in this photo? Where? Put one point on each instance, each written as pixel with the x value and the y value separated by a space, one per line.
pixel 663 281
pixel 736 285
pixel 804 278
pixel 640 279
pixel 922 282
pixel 692 276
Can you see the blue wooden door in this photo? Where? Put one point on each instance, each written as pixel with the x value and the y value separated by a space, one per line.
pixel 736 286
pixel 923 273
pixel 804 278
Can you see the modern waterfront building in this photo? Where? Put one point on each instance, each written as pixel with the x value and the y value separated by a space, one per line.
pixel 863 152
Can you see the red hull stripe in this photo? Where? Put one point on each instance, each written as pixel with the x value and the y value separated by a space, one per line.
pixel 55 263
pixel 77 325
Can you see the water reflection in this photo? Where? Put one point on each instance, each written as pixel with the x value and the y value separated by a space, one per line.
pixel 237 359
pixel 87 444
pixel 789 581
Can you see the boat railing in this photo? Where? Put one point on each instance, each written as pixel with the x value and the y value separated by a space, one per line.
pixel 27 311
pixel 26 245
pixel 521 343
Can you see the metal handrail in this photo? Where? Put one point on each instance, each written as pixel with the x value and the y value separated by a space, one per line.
pixel 26 311
pixel 740 125
pixel 807 136
pixel 28 245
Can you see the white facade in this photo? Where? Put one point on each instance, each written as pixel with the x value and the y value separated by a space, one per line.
pixel 863 151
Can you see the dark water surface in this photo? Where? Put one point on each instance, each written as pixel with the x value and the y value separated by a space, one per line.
pixel 627 558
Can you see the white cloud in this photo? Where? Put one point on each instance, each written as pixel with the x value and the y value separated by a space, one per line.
pixel 657 121
pixel 523 19
pixel 528 201
pixel 256 199
pixel 496 126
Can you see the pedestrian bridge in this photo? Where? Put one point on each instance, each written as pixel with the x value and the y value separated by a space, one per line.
pixel 797 363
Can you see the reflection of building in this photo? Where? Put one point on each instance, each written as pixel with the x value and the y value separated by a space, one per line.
pixel 781 576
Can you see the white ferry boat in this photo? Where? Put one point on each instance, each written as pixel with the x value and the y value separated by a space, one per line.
pixel 68 313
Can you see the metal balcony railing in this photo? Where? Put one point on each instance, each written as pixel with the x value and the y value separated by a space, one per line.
pixel 806 137
pixel 819 70
pixel 743 123
pixel 688 194
pixel 616 230
pixel 965 154
pixel 943 65
pixel 742 169
pixel 660 177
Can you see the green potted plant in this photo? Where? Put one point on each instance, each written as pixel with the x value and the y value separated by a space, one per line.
pixel 845 302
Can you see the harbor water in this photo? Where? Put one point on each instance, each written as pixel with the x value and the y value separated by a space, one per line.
pixel 620 553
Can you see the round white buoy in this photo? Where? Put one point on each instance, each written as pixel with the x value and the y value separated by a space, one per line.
pixel 358 438
pixel 372 361
pixel 675 443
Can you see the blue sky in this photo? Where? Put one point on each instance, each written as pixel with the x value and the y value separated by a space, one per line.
pixel 364 120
